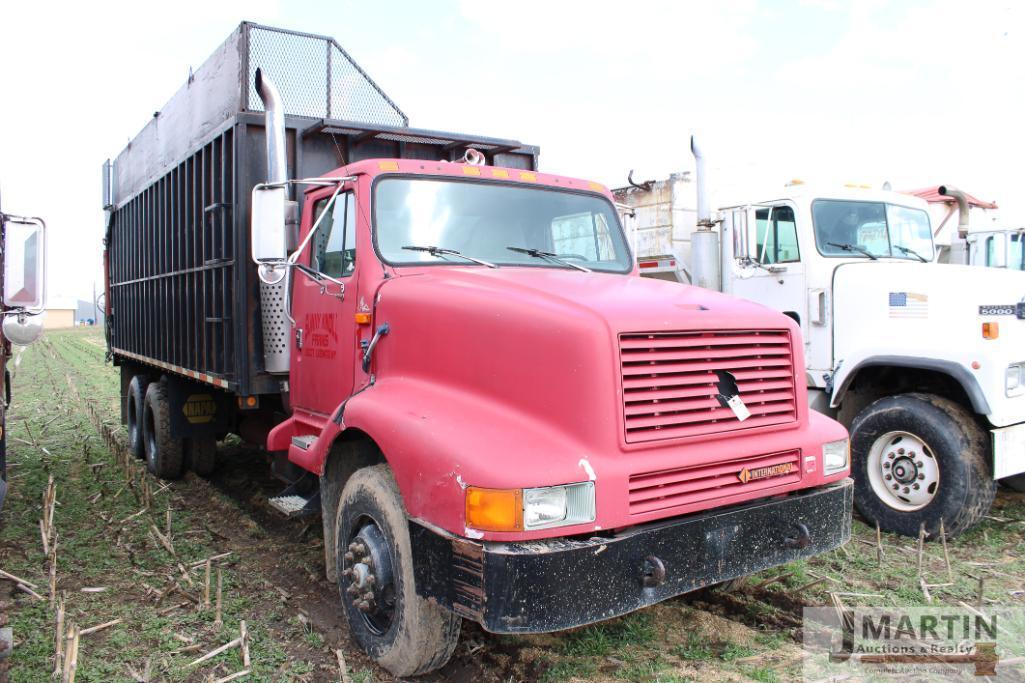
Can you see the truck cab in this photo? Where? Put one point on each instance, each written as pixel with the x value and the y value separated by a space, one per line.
pixel 920 360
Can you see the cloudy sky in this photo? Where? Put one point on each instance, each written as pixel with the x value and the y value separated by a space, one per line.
pixel 917 93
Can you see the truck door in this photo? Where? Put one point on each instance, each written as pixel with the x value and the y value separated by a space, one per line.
pixel 324 342
pixel 767 266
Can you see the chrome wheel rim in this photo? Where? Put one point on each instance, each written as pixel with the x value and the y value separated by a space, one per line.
pixel 903 471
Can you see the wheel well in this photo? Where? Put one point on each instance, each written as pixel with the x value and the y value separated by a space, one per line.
pixel 876 381
pixel 351 451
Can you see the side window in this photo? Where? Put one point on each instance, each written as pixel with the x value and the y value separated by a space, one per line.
pixel 334 249
pixel 585 235
pixel 991 251
pixel 1015 254
pixel 776 235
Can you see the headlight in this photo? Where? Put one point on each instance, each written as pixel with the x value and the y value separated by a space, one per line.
pixel 1014 379
pixel 528 509
pixel 834 456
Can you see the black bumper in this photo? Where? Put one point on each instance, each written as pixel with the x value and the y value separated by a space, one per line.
pixel 555 584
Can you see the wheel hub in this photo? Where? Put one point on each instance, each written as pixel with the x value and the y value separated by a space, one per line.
pixel 368 577
pixel 903 471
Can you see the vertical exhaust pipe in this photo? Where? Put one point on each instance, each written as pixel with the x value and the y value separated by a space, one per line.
pixel 959 244
pixel 274 118
pixel 273 293
pixel 704 218
pixel 704 245
pixel 962 208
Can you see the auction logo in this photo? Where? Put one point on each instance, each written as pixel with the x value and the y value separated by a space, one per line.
pixel 942 643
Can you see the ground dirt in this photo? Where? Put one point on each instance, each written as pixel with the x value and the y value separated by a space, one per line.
pixel 113 536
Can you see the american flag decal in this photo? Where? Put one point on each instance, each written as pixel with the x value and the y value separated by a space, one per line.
pixel 909 305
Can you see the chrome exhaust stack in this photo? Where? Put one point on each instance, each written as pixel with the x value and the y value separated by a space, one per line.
pixel 704 245
pixel 959 244
pixel 273 231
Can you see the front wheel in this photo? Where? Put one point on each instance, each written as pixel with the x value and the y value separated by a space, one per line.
pixel 404 633
pixel 917 459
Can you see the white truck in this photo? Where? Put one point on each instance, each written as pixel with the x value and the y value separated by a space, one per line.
pixel 997 248
pixel 921 361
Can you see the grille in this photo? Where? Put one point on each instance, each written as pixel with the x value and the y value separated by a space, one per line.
pixel 669 381
pixel 691 485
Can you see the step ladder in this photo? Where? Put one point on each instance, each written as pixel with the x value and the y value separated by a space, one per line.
pixel 291 502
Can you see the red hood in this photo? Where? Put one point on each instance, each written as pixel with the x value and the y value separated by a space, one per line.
pixel 541 343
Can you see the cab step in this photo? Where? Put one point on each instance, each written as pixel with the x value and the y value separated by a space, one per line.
pixel 301 498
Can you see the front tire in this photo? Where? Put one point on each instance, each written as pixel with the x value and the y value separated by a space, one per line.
pixel 403 632
pixel 917 459
pixel 164 456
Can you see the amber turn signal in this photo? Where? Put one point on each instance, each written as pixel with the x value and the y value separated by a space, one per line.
pixel 362 318
pixel 494 509
pixel 990 330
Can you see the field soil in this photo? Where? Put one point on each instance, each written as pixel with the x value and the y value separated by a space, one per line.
pixel 133 550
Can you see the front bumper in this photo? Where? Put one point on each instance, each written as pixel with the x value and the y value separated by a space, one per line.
pixel 555 584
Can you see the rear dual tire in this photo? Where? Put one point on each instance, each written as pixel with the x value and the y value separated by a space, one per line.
pixel 165 456
pixel 134 409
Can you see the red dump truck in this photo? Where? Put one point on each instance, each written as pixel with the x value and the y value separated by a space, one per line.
pixel 450 357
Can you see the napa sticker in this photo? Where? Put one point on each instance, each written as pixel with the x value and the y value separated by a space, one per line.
pixel 199 409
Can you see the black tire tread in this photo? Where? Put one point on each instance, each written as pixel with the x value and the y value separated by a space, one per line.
pixel 979 486
pixel 201 455
pixel 425 639
pixel 168 461
pixel 137 395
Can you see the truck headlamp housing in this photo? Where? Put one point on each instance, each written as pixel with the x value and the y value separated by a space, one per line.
pixel 529 509
pixel 835 456
pixel 1014 380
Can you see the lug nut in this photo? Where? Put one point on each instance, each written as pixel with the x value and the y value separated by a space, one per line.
pixel 349 557
pixel 921 477
pixel 901 451
pixel 352 590
pixel 895 487
pixel 907 490
pixel 371 580
pixel 886 465
pixel 915 486
pixel 360 549
pixel 891 456
pixel 889 477
pixel 363 606
pixel 920 464
pixel 347 573
pixel 352 546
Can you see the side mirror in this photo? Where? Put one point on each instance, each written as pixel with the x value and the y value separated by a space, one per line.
pixel 24 282
pixel 269 237
pixel 24 249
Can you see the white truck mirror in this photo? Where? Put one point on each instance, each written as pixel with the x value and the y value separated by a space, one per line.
pixel 269 237
pixel 24 249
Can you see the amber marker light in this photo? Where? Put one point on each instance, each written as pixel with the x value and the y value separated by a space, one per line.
pixel 362 318
pixel 990 330
pixel 494 509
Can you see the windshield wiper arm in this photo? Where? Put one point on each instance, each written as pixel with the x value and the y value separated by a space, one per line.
pixel 441 252
pixel 911 252
pixel 549 256
pixel 853 247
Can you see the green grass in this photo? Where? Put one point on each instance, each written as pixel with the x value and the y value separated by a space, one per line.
pixel 50 434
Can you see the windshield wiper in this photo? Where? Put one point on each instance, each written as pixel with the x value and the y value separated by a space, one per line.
pixel 441 252
pixel 549 256
pixel 911 252
pixel 853 247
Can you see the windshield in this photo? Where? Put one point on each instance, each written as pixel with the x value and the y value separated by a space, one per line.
pixel 848 229
pixel 482 220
